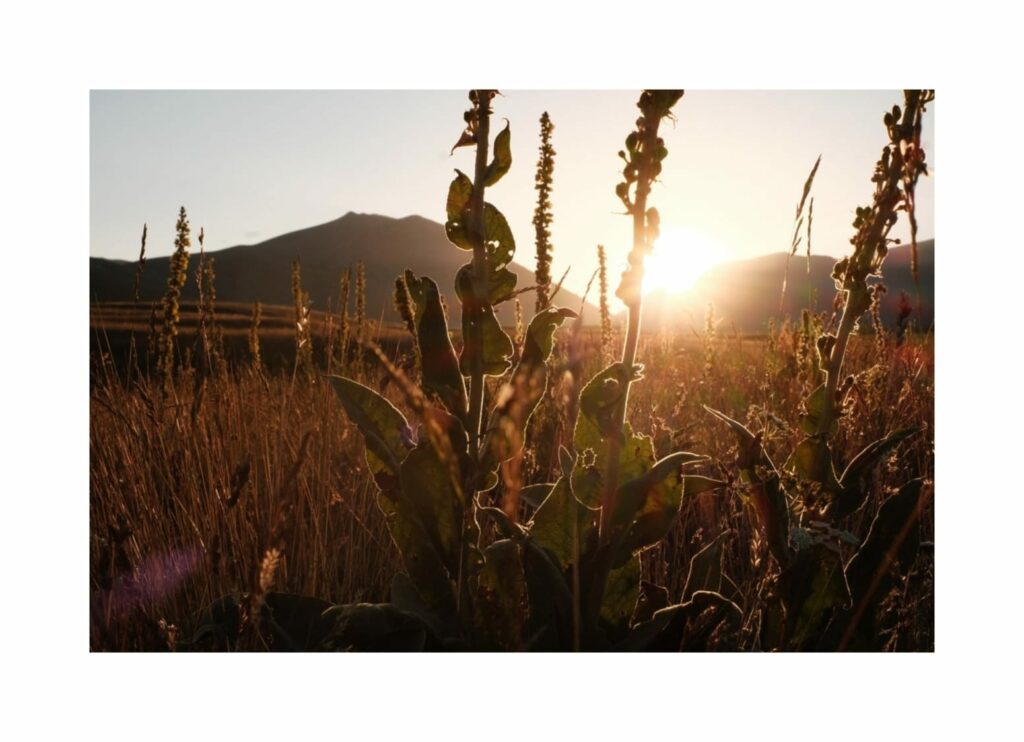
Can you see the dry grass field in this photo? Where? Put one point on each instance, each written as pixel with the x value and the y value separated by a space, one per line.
pixel 187 499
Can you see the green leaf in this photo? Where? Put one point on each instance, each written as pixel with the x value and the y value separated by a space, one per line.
pixel 498 240
pixel 768 501
pixel 501 283
pixel 854 482
pixel 405 596
pixel 497 347
pixel 597 423
pixel 550 621
pixel 459 194
pixel 812 461
pixel 562 525
pixel 621 592
pixel 705 572
pixel 428 486
pixel 517 399
pixel 381 424
pixel 502 156
pixel 599 402
pixel 814 405
pixel 811 586
pixel 420 557
pixel 440 366
pixel 658 490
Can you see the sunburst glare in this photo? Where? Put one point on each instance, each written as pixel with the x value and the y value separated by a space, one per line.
pixel 681 256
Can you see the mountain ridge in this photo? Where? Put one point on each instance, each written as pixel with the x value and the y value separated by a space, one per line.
pixel 744 292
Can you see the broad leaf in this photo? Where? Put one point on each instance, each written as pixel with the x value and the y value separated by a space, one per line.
pixel 812 461
pixel 705 572
pixel 550 621
pixel 502 156
pixel 421 559
pixel 854 484
pixel 562 525
pixel 620 595
pixel 428 487
pixel 440 366
pixel 496 348
pixel 810 587
pixel 517 399
pixel 647 506
pixel 384 428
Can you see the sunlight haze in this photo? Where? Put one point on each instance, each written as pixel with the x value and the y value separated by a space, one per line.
pixel 251 165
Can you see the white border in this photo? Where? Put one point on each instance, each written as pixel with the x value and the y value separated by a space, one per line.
pixel 53 54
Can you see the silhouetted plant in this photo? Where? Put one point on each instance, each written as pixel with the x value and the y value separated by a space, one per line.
pixel 607 338
pixel 304 366
pixel 570 578
pixel 816 600
pixel 344 326
pixel 255 359
pixel 175 283
pixel 542 213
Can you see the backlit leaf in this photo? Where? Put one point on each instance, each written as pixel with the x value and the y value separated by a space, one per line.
pixel 502 156
pixel 381 424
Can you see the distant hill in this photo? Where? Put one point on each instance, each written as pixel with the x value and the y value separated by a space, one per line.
pixel 262 272
pixel 748 292
pixel 744 292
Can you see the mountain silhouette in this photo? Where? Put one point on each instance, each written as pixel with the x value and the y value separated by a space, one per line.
pixel 262 272
pixel 749 292
pixel 744 293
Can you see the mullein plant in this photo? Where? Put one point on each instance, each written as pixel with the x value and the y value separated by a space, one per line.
pixel 543 180
pixel 476 575
pixel 817 598
pixel 178 274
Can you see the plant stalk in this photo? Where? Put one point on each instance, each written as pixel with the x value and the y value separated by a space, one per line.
pixel 634 305
pixel 480 269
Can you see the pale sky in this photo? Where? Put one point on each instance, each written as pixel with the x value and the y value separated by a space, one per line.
pixel 250 165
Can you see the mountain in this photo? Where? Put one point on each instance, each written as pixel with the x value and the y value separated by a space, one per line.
pixel 744 292
pixel 262 272
pixel 748 292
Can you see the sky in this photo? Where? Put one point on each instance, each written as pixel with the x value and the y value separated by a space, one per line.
pixel 250 165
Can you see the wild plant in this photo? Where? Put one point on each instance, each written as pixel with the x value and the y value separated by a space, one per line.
pixel 255 359
pixel 344 327
pixel 178 274
pixel 542 213
pixel 817 599
pixel 133 361
pixel 476 575
pixel 607 338
pixel 359 331
pixel 304 366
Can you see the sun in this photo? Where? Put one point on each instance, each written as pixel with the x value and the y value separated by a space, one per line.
pixel 681 255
